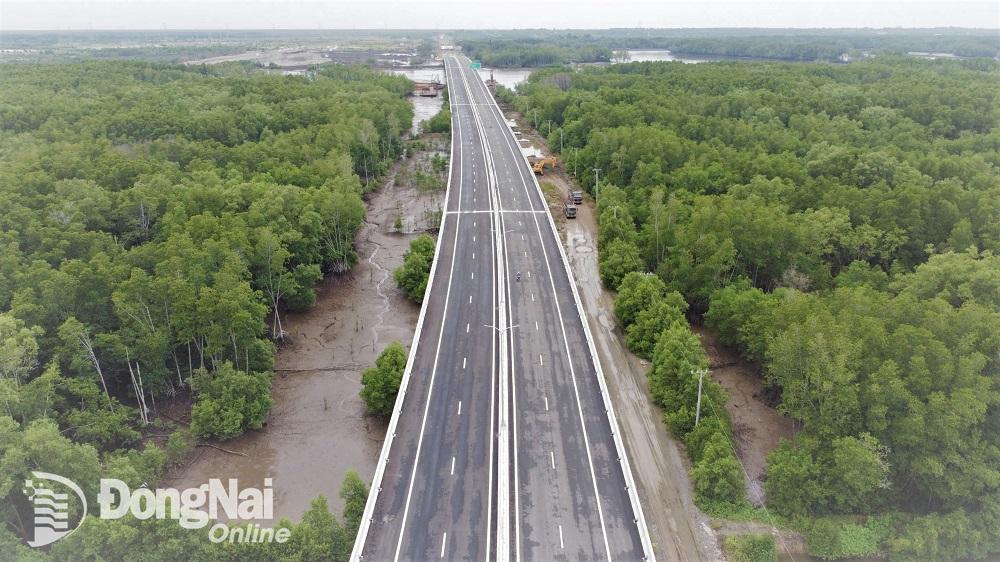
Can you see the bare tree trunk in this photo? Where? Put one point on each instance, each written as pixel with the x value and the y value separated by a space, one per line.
pixel 177 366
pixel 142 395
pixel 236 352
pixel 89 347
pixel 136 388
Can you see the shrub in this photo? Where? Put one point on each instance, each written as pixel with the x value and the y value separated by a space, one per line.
pixel 750 548
pixel 832 538
pixel 180 443
pixel 229 402
pixel 413 275
pixel 718 478
pixel 380 384
pixel 440 123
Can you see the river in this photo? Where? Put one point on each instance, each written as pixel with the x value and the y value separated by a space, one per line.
pixel 511 77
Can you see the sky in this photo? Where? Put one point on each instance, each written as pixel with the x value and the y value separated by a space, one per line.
pixel 490 14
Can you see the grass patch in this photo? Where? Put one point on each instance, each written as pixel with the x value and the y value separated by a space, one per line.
pixel 750 548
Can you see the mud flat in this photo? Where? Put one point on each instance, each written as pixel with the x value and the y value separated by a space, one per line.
pixel 318 429
pixel 757 426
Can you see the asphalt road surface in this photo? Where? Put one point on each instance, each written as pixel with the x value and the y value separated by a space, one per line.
pixel 502 445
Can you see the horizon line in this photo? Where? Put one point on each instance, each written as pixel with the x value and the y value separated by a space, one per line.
pixel 459 29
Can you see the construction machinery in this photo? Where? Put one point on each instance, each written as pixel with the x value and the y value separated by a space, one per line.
pixel 539 166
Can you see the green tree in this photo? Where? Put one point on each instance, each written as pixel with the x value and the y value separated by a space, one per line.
pixel 718 477
pixel 858 473
pixel 742 315
pixel 355 494
pixel 618 259
pixel 793 485
pixel 380 384
pixel 641 335
pixel 673 379
pixel 815 364
pixel 18 348
pixel 318 537
pixel 637 292
pixel 229 402
pixel 413 275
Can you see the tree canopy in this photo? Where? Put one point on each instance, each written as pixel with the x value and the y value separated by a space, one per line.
pixel 158 221
pixel 838 224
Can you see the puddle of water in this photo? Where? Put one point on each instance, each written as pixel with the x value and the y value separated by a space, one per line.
pixel 530 150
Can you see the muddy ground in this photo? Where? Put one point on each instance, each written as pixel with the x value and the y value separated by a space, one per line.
pixel 318 429
pixel 757 426
pixel 680 532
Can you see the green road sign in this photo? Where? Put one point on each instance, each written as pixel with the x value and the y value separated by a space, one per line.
pixel 475 65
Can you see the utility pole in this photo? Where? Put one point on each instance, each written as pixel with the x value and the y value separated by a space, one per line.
pixel 560 140
pixel 597 183
pixel 701 377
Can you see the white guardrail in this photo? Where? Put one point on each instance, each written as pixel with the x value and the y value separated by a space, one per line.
pixel 376 486
pixel 383 458
pixel 633 492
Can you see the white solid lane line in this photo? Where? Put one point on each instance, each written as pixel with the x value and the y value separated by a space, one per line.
pixel 430 390
pixel 499 247
pixel 586 439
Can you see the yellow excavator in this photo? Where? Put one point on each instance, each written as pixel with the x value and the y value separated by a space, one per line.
pixel 539 166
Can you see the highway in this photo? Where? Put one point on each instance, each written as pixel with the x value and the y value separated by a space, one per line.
pixel 502 445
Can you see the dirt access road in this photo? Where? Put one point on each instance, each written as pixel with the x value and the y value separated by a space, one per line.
pixel 679 531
